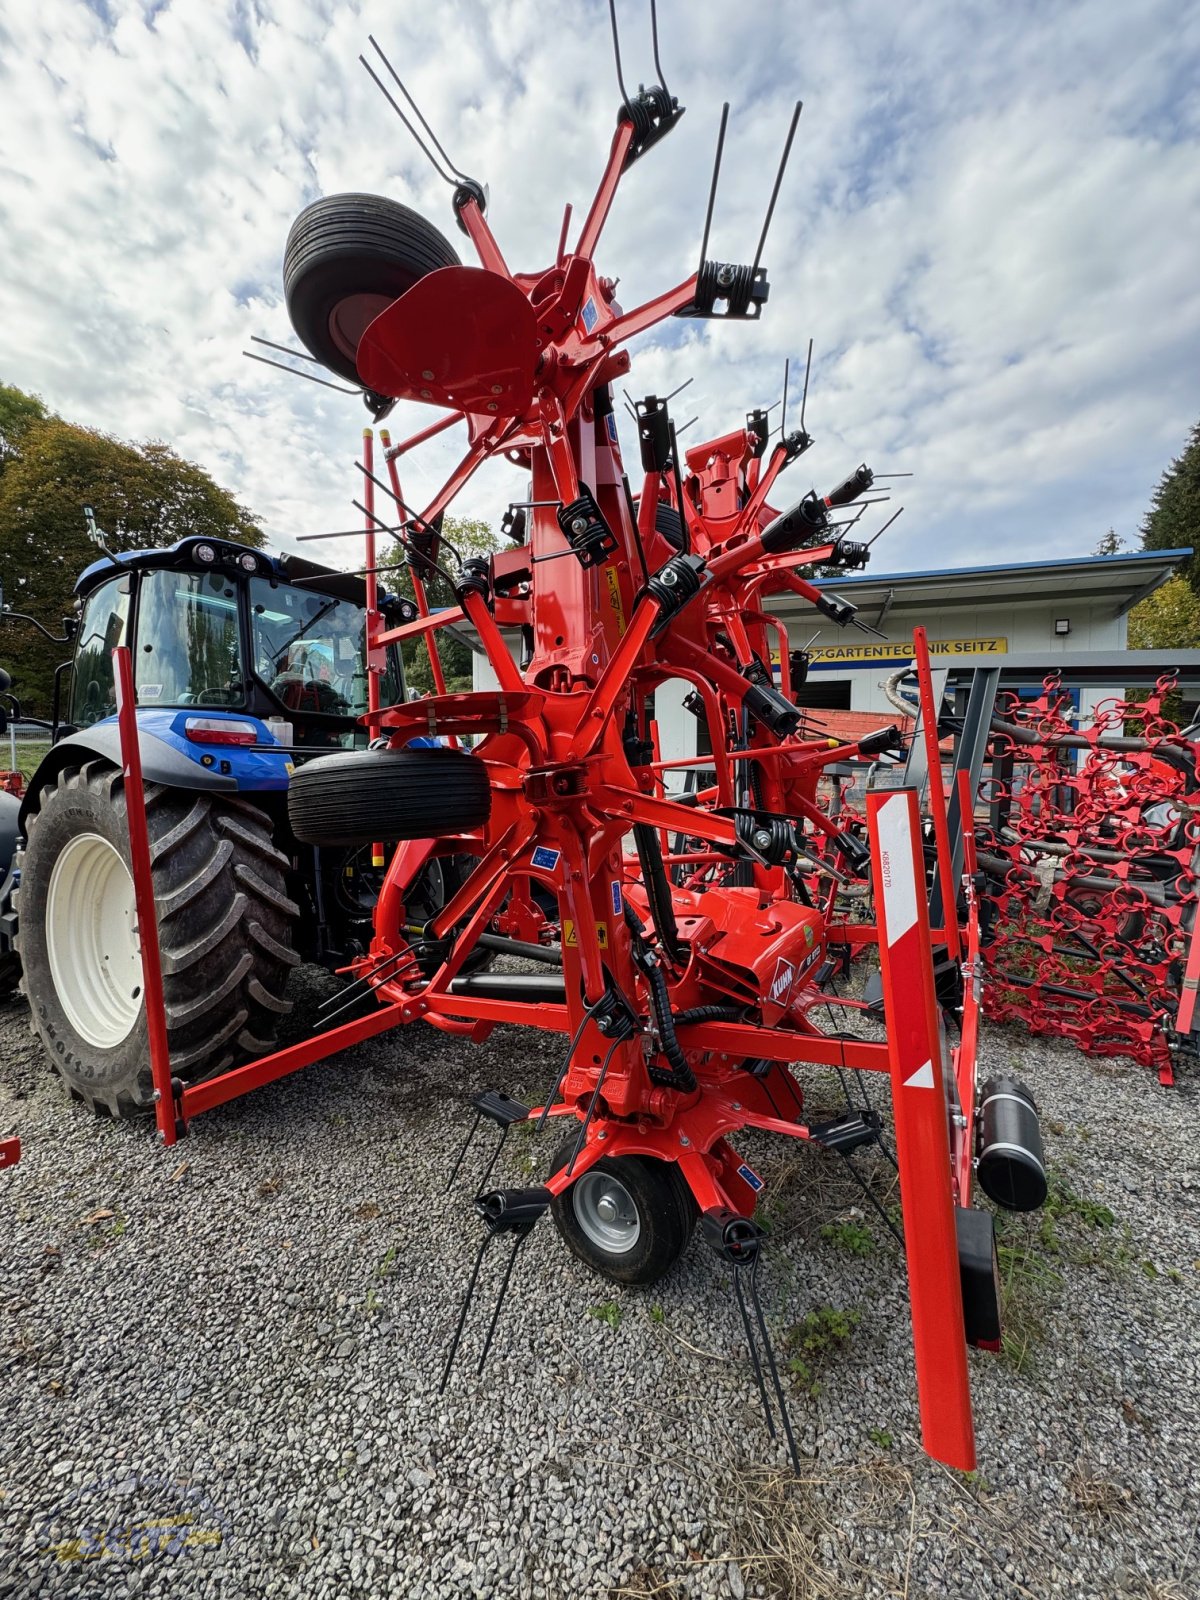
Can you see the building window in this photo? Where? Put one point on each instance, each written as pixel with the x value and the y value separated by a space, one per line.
pixel 824 694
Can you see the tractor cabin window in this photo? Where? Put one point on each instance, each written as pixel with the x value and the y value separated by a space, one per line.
pixel 188 650
pixel 310 651
pixel 102 628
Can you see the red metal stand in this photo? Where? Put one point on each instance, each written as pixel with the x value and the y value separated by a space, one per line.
pixel 165 1110
pixel 920 1109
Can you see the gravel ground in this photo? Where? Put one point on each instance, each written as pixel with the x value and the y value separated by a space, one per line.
pixel 242 1340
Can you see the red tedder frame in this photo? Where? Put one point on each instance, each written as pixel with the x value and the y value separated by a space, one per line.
pixel 689 997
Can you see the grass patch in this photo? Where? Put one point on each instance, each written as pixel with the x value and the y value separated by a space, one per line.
pixel 811 1343
pixel 609 1313
pixel 1070 1230
pixel 850 1236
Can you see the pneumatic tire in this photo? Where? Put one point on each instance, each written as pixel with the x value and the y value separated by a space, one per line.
pixel 651 1215
pixel 224 929
pixel 361 796
pixel 347 257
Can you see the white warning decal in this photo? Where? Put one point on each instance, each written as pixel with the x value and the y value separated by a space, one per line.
pixel 922 1078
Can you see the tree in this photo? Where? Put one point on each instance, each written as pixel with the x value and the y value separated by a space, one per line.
pixel 1173 520
pixel 19 412
pixel 143 495
pixel 1168 619
pixel 1110 544
pixel 470 537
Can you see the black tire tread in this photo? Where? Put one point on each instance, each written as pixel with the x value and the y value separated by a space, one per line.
pixel 345 244
pixel 224 922
pixel 361 796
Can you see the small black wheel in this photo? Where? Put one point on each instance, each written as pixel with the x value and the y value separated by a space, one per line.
pixel 628 1217
pixel 347 257
pixel 360 796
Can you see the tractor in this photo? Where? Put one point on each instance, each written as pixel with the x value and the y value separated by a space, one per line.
pixel 246 665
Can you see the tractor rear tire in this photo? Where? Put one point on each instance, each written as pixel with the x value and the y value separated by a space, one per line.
pixel 224 929
pixel 347 257
pixel 366 795
pixel 629 1218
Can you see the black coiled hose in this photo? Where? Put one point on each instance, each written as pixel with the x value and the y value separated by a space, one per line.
pixel 681 1075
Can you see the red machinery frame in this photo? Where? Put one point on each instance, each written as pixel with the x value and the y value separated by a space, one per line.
pixel 526 361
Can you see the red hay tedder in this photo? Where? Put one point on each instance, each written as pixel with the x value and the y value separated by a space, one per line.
pixel 682 943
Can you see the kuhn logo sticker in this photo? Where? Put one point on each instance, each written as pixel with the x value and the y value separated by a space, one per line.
pixel 617 905
pixel 781 983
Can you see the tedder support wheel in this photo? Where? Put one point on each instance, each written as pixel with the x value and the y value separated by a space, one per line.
pixel 366 795
pixel 628 1217
pixel 347 257
pixel 224 928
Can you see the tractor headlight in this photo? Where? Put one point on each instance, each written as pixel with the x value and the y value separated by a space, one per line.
pixel 205 553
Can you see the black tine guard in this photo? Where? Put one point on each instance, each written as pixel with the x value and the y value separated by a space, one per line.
pixel 734 1238
pixel 801 525
pixel 859 481
pixel 500 1108
pixel 882 739
pixel 512 1210
pixel 855 852
pixel 836 609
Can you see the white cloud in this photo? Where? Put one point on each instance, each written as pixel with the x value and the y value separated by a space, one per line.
pixel 990 229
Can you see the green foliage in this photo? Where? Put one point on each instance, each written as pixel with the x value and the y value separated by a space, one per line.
pixel 851 1236
pixel 19 412
pixel 470 537
pixel 609 1312
pixel 1168 619
pixel 657 1314
pixel 880 1437
pixel 1063 1232
pixel 1110 544
pixel 811 1343
pixel 143 495
pixel 1173 520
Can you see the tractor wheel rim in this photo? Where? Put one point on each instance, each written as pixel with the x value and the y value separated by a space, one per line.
pixel 91 941
pixel 607 1213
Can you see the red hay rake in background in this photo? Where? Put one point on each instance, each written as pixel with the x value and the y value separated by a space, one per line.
pixel 686 979
pixel 1089 909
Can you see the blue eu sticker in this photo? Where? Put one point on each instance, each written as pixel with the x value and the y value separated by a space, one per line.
pixel 616 898
pixel 610 422
pixel 748 1175
pixel 545 858
pixel 589 313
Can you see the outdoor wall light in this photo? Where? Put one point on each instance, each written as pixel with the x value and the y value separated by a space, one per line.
pixel 1062 624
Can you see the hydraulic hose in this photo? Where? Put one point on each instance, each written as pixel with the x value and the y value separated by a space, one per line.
pixel 658 888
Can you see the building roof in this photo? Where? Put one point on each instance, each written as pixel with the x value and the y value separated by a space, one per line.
pixel 1123 579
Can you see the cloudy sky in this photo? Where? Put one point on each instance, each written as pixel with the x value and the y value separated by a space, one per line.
pixel 990 229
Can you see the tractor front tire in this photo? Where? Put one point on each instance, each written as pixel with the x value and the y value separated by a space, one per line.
pixel 224 929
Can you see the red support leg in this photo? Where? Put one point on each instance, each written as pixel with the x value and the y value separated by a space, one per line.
pixel 143 890
pixel 922 1136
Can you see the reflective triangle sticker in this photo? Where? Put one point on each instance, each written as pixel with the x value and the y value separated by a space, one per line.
pixel 922 1078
